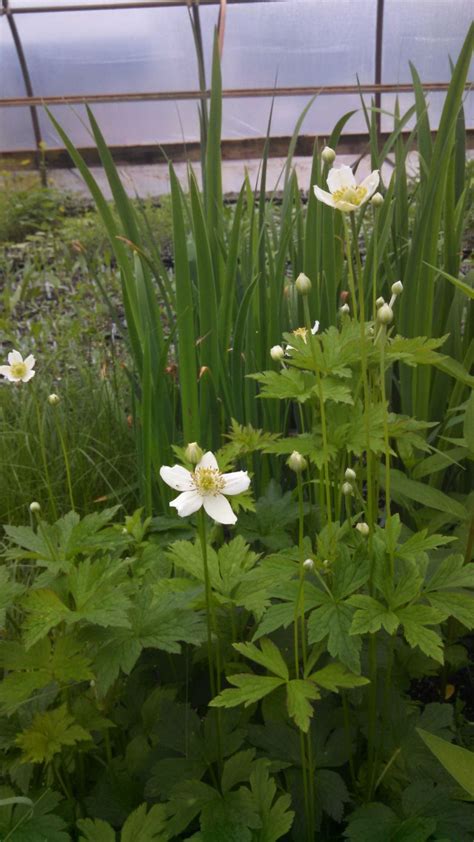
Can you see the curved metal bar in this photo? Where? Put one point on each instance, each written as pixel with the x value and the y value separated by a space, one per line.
pixel 40 163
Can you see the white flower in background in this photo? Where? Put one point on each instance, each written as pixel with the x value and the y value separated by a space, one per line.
pixel 345 309
pixel 53 399
pixel 344 192
pixel 308 564
pixel 206 486
pixel 303 332
pixel 385 314
pixel 18 370
pixel 377 200
pixel 35 507
pixel 349 474
pixel 363 528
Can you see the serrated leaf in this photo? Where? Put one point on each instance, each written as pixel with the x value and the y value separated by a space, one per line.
pixel 334 620
pixel 371 615
pixel 335 675
pixel 458 605
pixel 451 572
pixel 371 823
pixel 267 656
pixel 415 619
pixel 95 830
pixel 250 689
pixel 143 826
pixel 299 695
pixel 332 793
pixel 45 611
pixel 237 769
pixel 275 815
pixel 48 733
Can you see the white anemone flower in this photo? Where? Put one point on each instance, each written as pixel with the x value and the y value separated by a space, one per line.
pixel 206 486
pixel 344 192
pixel 18 370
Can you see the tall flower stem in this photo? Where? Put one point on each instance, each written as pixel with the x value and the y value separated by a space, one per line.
pixel 207 591
pixel 44 460
pixel 214 680
pixel 66 459
pixel 299 619
pixel 324 431
pixel 370 482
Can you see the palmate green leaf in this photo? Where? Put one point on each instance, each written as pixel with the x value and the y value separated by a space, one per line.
pixel 187 800
pixel 336 676
pixel 458 761
pixel 451 572
pixel 420 543
pixel 33 669
pixel 237 769
pixel 299 695
pixel 48 734
pixel 267 656
pixel 289 384
pixel 275 815
pixel 415 619
pixel 45 611
pixel 332 793
pixel 334 620
pixel 249 689
pixel 458 605
pixel 371 616
pixel 143 826
pixel 96 830
pixel 38 822
pixel 271 523
pixel 155 622
pixel 100 592
pixel 9 592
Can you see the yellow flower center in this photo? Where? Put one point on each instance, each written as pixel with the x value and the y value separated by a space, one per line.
pixel 301 331
pixel 354 195
pixel 18 369
pixel 208 481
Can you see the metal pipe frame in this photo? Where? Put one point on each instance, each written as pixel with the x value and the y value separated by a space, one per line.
pixel 32 102
pixel 230 93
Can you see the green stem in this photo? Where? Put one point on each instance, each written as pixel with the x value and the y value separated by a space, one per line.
pixel 347 731
pixel 45 461
pixel 324 431
pixel 207 590
pixel 388 513
pixel 66 459
pixel 215 683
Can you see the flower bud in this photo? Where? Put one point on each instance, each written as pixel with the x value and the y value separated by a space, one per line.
pixel 397 288
pixel 35 507
pixel 193 453
pixel 53 399
pixel 385 314
pixel 297 462
pixel 303 284
pixel 363 528
pixel 325 564
pixel 308 564
pixel 350 474
pixel 277 353
pixel 346 489
pixel 376 200
pixel 380 302
pixel 328 155
pixel 345 309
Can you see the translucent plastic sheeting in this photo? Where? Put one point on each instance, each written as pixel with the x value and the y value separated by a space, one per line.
pixel 291 43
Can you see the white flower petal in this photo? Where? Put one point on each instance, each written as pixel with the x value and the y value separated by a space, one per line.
pixel 370 184
pixel 29 374
pixel 340 178
pixel 177 477
pixel 14 357
pixel 208 461
pixel 236 482
pixel 7 372
pixel 346 207
pixel 323 196
pixel 315 327
pixel 187 503
pixel 219 508
pixel 30 362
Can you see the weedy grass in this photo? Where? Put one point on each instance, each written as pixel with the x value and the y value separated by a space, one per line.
pixel 177 678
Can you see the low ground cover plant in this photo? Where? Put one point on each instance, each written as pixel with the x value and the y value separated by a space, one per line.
pixel 277 643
